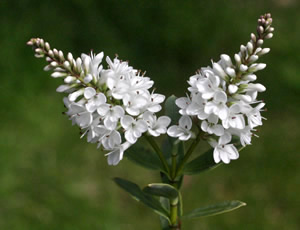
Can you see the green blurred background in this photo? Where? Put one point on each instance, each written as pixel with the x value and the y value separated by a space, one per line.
pixel 50 179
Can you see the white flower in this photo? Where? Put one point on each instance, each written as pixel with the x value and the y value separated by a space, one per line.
pixel 111 114
pixel 196 107
pixel 80 115
pixel 134 103
pixel 224 151
pixel 244 134
pixel 209 85
pixel 253 115
pixel 154 102
pixel 90 132
pixel 234 119
pixel 116 154
pixel 183 103
pixel 218 105
pixel 211 126
pixel 134 129
pixel 111 139
pixel 182 131
pixel 91 66
pixel 156 126
pixel 94 99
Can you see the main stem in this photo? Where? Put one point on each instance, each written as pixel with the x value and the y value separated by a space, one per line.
pixel 174 214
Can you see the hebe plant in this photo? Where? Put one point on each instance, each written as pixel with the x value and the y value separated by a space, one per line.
pixel 114 107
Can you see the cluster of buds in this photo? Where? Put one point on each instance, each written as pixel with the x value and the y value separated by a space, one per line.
pixel 113 107
pixel 223 98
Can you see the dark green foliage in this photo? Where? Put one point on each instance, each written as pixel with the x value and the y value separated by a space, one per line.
pixel 215 209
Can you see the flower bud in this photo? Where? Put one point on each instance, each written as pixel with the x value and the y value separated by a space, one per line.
pixel 253 58
pixel 73 96
pixel 243 68
pixel 253 37
pixel 237 59
pixel 260 42
pixel 250 77
pixel 232 89
pixel 226 59
pixel 58 74
pixel 257 67
pixel 250 47
pixel 61 55
pixel 263 51
pixel 54 64
pixel 48 67
pixel 88 78
pixel 230 71
pixel 270 35
pixel 69 79
pixel 219 70
pixel 70 57
pixel 256 87
pixel 47 46
pixel 50 53
pixel 67 64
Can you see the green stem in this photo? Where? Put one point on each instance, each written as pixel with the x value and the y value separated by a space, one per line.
pixel 174 213
pixel 188 154
pixel 158 152
pixel 173 171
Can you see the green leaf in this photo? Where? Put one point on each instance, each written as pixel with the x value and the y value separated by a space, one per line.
pixel 216 209
pixel 160 189
pixel 201 163
pixel 172 110
pixel 135 191
pixel 144 157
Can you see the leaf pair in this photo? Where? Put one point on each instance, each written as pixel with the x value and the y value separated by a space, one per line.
pixel 146 196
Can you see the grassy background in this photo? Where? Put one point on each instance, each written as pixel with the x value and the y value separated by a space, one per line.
pixel 50 179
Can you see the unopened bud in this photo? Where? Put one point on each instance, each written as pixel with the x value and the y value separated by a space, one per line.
pixel 88 78
pixel 47 46
pixel 66 64
pixel 257 67
pixel 225 58
pixel 69 79
pixel 250 77
pixel 270 35
pixel 260 30
pixel 55 51
pixel 250 47
pixel 54 64
pixel 271 29
pixel 70 57
pixel 243 68
pixel 219 70
pixel 48 67
pixel 264 51
pixel 50 53
pixel 232 89
pixel 260 42
pixel 61 55
pixel 58 74
pixel 230 71
pixel 253 37
pixel 253 58
pixel 237 59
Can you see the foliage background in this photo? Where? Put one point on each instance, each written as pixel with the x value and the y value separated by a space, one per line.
pixel 50 179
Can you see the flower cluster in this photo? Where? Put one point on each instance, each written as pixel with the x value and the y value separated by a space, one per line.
pixel 224 98
pixel 113 107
